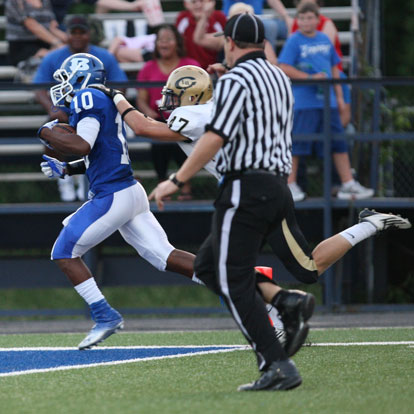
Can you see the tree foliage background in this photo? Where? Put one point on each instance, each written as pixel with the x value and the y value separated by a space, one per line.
pixel 398 37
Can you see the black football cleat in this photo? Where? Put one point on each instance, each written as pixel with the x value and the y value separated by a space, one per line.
pixel 295 309
pixel 280 376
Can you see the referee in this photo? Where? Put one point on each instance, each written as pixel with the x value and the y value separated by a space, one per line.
pixel 251 129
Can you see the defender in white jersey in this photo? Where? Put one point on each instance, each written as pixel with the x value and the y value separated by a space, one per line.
pixel 188 94
pixel 190 121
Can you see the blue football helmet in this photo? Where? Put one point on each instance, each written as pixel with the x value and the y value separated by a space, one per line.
pixel 76 73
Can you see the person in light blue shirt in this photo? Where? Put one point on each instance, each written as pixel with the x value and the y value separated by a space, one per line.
pixel 309 54
pixel 315 56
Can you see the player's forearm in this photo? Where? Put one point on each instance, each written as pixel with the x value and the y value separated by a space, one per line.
pixel 204 151
pixel 67 144
pixel 42 97
pixel 146 126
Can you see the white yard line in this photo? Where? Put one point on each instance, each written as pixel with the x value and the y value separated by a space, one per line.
pixel 382 343
pixel 119 362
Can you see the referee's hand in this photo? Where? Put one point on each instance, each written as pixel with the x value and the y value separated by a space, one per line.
pixel 217 68
pixel 162 190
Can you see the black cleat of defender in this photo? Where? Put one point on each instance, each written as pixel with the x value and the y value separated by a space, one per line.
pixel 295 309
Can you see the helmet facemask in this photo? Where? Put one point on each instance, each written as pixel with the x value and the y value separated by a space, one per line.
pixel 170 100
pixel 62 93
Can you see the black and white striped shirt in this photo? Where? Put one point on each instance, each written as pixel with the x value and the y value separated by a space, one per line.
pixel 253 113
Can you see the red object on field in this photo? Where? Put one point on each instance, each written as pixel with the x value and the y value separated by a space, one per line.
pixel 266 271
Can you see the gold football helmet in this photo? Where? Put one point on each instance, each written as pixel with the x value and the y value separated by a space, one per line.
pixel 187 85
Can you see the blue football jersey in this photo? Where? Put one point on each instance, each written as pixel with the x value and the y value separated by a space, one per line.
pixel 108 166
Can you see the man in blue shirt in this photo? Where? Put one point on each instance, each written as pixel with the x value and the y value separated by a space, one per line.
pixel 78 42
pixel 309 54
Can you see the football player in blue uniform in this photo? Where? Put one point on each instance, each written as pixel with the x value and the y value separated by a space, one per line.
pixel 116 200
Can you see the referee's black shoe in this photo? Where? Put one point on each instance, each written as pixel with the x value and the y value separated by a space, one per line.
pixel 280 376
pixel 295 308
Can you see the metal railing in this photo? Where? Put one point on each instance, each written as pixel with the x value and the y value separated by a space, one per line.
pixel 326 202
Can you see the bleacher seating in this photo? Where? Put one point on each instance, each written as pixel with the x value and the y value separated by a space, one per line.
pixel 11 122
pixel 335 13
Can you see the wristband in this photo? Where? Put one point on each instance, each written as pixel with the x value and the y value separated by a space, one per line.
pixel 75 167
pixel 118 98
pixel 127 111
pixel 175 181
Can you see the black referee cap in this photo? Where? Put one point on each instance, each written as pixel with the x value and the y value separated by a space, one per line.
pixel 244 27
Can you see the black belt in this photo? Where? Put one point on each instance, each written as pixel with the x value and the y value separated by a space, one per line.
pixel 251 171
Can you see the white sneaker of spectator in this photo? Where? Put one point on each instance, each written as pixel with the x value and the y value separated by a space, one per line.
pixel 66 188
pixel 297 193
pixel 353 190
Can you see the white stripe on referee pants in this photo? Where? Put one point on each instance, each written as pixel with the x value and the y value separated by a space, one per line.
pixel 224 245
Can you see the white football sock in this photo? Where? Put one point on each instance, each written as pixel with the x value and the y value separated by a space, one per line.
pixel 89 291
pixel 358 232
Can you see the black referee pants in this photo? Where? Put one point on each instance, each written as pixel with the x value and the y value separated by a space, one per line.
pixel 249 208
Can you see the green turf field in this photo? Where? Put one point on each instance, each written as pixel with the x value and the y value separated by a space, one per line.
pixel 336 379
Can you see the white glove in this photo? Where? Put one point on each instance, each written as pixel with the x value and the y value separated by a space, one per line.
pixel 53 168
pixel 48 125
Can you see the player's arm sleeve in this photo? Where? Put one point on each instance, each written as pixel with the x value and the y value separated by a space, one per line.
pixel 88 129
pixel 230 98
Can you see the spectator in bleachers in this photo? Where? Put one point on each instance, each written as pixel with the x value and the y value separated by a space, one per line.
pixel 202 38
pixel 133 49
pixel 325 25
pixel 186 24
pixel 61 7
pixel 309 54
pixel 105 6
pixel 31 29
pixel 275 28
pixel 169 54
pixel 78 31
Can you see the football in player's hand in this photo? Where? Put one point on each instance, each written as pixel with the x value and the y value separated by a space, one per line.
pixel 64 128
